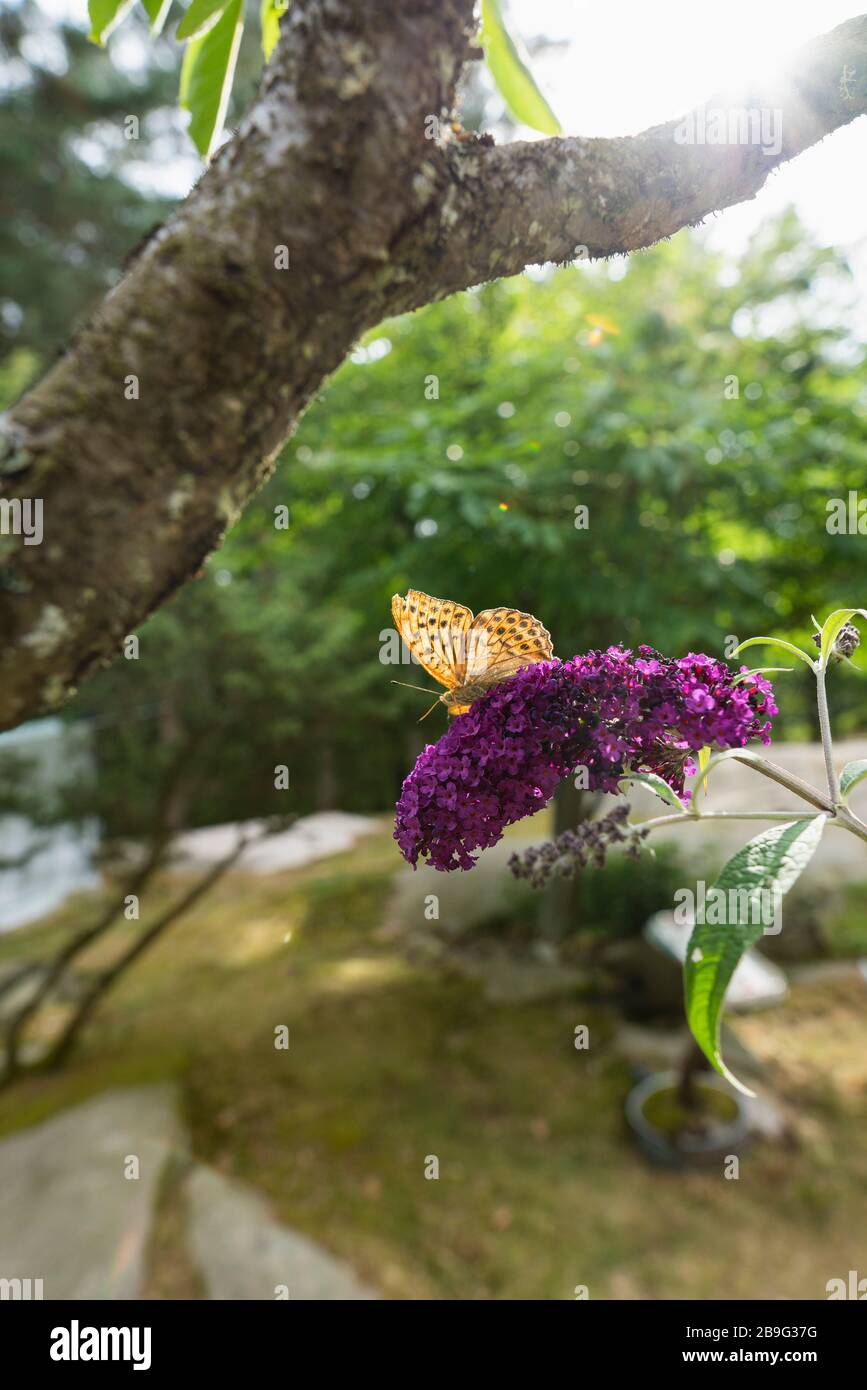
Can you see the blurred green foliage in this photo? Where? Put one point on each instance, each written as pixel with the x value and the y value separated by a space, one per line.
pixel 68 216
pixel 72 169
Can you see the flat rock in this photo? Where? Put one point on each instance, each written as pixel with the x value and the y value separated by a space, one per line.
pixel 465 902
pixel 516 979
pixel 768 1118
pixel 822 972
pixel 242 1252
pixel 311 838
pixel 651 1047
pixel 68 1215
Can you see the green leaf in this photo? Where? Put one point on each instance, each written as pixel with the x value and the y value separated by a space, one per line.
pixel 199 18
pixel 508 63
pixel 269 15
pixel 704 756
pixel 775 642
pixel 206 76
pixel 105 15
pixel 852 774
pixel 770 863
pixel 157 13
pixel 830 631
pixel 743 754
pixel 759 671
pixel 658 785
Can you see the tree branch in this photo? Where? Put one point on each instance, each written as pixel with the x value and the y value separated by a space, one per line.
pixel 538 201
pixel 147 439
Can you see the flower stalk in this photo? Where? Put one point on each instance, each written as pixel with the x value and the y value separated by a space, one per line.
pixel 825 730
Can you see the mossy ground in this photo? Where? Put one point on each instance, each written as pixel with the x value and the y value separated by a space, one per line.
pixel 540 1189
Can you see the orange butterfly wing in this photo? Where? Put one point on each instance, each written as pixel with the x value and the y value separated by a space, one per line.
pixel 435 630
pixel 503 641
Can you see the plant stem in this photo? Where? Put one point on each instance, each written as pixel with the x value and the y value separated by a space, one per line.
pixel 788 780
pixel 693 1062
pixel 847 820
pixel 842 819
pixel 825 728
pixel 681 816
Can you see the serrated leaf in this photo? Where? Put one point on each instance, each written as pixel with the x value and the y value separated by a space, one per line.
pixel 509 66
pixel 771 862
pixel 199 18
pixel 105 15
pixel 775 642
pixel 831 628
pixel 852 774
pixel 157 12
pixel 656 784
pixel 269 15
pixel 206 76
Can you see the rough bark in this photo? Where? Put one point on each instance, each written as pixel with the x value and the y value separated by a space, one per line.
pixel 227 349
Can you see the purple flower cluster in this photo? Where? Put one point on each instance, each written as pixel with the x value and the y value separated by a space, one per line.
pixel 609 712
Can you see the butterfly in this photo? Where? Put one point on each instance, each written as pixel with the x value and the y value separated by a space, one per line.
pixel 465 654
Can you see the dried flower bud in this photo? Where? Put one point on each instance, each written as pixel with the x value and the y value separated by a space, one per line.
pixel 588 843
pixel 845 643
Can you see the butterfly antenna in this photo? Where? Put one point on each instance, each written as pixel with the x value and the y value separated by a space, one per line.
pixel 427 711
pixel 425 689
